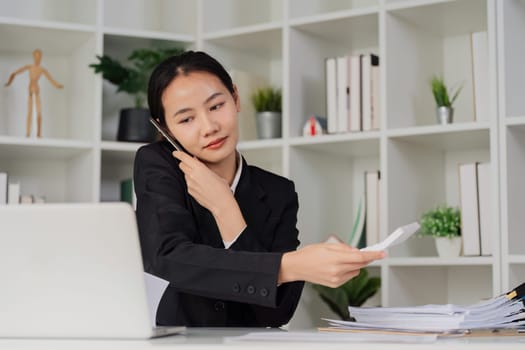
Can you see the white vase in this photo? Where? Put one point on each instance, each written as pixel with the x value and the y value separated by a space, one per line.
pixel 448 247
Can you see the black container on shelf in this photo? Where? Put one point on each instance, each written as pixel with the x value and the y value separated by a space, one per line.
pixel 134 126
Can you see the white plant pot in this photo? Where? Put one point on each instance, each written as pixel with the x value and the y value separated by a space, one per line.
pixel 448 247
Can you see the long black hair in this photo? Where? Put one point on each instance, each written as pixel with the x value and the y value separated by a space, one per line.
pixel 183 64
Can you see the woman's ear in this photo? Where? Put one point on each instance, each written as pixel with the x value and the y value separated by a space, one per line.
pixel 236 98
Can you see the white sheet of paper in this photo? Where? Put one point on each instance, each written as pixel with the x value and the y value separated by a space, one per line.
pixel 396 237
pixel 155 287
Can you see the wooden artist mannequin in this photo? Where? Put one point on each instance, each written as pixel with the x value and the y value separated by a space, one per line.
pixel 35 71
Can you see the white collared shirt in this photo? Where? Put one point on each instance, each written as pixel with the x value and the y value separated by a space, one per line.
pixel 233 187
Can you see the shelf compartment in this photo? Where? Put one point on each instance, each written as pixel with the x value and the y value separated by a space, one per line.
pixel 330 174
pixel 261 42
pixel 310 8
pixel 269 158
pixel 74 12
pixel 427 40
pixel 442 284
pixel 511 23
pixel 239 13
pixel 117 165
pixel 254 60
pixel 168 16
pixel 515 173
pixel 120 151
pixel 144 34
pixel 120 47
pixel 67 113
pixel 310 45
pixel 422 172
pixel 65 172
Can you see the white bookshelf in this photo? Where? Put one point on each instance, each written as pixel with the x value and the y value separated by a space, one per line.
pixel 287 41
pixel 511 50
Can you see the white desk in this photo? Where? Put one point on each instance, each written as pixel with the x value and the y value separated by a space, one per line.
pixel 206 338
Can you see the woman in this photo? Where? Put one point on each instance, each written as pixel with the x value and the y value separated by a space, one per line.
pixel 222 232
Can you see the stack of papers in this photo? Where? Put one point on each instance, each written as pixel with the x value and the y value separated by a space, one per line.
pixel 502 312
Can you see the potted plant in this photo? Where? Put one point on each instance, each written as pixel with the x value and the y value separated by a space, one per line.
pixel 444 224
pixel 133 79
pixel 444 109
pixel 267 104
pixel 352 293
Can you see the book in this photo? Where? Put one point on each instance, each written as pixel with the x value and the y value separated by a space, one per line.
pixel 372 207
pixel 485 210
pixel 376 97
pixel 358 228
pixel 480 74
pixel 468 185
pixel 368 61
pixel 342 94
pixel 3 188
pixel 331 95
pixel 13 193
pixel 355 93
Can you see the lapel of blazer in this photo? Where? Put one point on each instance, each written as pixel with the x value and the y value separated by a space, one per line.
pixel 250 196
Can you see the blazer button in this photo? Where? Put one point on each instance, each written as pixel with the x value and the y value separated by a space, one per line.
pixel 219 306
pixel 236 288
pixel 264 292
pixel 250 289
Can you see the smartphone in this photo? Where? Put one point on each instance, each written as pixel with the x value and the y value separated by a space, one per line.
pixel 168 137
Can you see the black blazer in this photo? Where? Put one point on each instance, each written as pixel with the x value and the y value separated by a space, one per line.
pixel 210 285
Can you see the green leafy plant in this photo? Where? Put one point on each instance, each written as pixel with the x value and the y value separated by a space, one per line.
pixel 443 221
pixel 133 79
pixel 441 93
pixel 353 293
pixel 267 99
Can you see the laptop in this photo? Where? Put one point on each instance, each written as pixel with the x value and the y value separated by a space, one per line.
pixel 73 271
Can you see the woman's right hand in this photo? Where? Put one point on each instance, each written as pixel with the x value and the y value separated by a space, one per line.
pixel 328 264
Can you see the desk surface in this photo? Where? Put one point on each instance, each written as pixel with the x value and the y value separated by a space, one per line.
pixel 222 338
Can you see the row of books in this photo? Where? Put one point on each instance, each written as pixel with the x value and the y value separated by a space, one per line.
pixel 353 93
pixel 475 205
pixel 10 193
pixel 365 231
